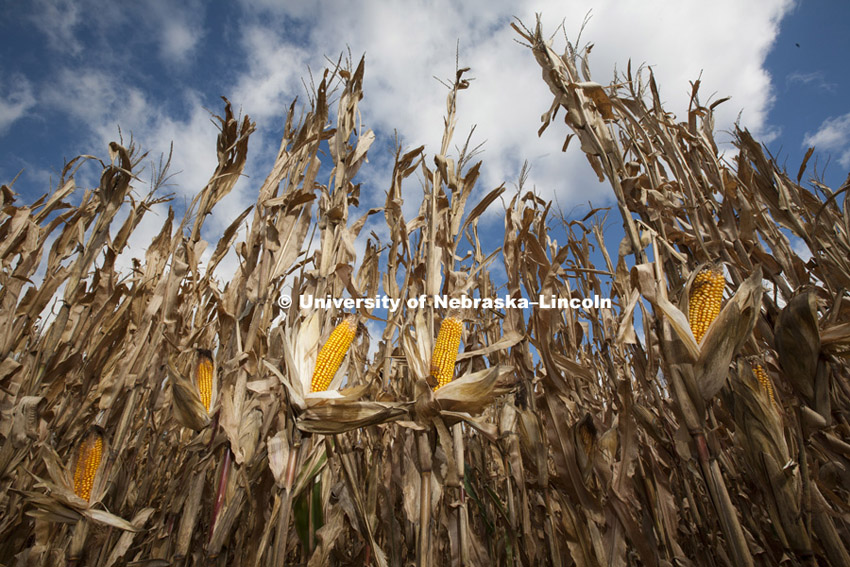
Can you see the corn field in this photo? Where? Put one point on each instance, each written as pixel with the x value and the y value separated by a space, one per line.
pixel 162 417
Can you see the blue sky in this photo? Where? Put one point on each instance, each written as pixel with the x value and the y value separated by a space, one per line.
pixel 809 73
pixel 72 72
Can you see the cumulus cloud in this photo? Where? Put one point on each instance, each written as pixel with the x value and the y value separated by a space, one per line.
pixel 833 135
pixel 273 73
pixel 96 98
pixel 16 99
pixel 179 29
pixel 178 41
pixel 176 28
pixel 58 21
pixel 507 97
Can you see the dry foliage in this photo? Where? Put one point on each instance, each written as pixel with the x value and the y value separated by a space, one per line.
pixel 566 438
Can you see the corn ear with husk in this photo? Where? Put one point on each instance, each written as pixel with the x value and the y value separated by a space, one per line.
pixel 306 364
pixel 764 381
pixel 205 378
pixel 760 432
pixel 727 334
pixel 332 353
pixel 798 347
pixel 89 455
pixel 797 342
pixel 704 300
pixel 25 421
pixel 445 351
pixel 60 501
pixel 323 410
pixel 188 408
pixel 723 338
pixel 339 416
pixel 473 392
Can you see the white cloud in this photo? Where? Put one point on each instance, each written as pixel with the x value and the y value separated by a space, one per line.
pixel 801 248
pixel 175 28
pixel 407 44
pixel 178 28
pixel 274 70
pixel 815 79
pixel 97 98
pixel 178 40
pixel 16 99
pixel 58 20
pixel 833 135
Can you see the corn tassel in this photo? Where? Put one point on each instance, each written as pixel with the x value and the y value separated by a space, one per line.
pixel 445 351
pixel 332 353
pixel 704 301
pixel 765 383
pixel 204 378
pixel 88 461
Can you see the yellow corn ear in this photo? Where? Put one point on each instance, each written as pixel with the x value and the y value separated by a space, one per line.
pixel 89 454
pixel 332 352
pixel 765 383
pixel 445 351
pixel 204 378
pixel 704 301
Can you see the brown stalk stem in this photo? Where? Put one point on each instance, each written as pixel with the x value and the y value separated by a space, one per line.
pixel 351 479
pixel 222 487
pixel 543 484
pixel 213 428
pixel 463 513
pixel 554 554
pixel 311 536
pixel 511 507
pixel 282 534
pixel 104 551
pixel 825 530
pixel 423 545
pixel 803 459
pixel 729 522
pixel 77 548
pixel 282 530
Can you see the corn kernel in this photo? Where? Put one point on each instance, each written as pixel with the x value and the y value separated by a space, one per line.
pixel 765 383
pixel 88 461
pixel 704 302
pixel 204 378
pixel 332 353
pixel 445 351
